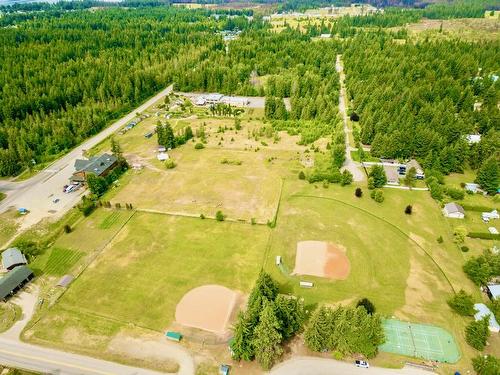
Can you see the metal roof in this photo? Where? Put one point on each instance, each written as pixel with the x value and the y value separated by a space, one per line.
pixel 11 257
pixel 96 165
pixel 482 311
pixel 453 207
pixel 65 280
pixel 494 290
pixel 13 279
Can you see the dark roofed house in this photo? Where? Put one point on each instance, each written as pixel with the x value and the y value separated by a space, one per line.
pixel 99 166
pixel 14 281
pixel 12 258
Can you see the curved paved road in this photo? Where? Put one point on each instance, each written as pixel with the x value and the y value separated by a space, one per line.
pixel 37 193
pixel 323 366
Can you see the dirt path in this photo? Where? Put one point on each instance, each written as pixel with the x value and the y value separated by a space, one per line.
pixel 27 300
pixel 349 164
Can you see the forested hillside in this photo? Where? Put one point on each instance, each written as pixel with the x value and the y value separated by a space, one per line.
pixel 64 76
pixel 417 100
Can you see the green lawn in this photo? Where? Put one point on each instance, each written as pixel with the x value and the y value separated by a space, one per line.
pixel 153 262
pixel 8 226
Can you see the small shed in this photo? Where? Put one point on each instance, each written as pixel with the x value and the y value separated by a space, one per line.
pixel 453 210
pixel 473 138
pixel 173 336
pixel 306 284
pixel 472 187
pixel 224 369
pixel 493 291
pixel 12 258
pixel 14 281
pixel 162 156
pixel 482 311
pixel 65 281
pixel 493 230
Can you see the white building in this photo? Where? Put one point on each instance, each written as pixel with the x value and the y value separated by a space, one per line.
pixel 162 156
pixel 453 210
pixel 487 216
pixel 482 311
pixel 473 138
pixel 471 187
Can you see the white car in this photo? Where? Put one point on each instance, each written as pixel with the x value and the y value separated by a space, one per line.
pixel 362 364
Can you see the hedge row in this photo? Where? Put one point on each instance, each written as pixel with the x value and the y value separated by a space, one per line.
pixel 483 235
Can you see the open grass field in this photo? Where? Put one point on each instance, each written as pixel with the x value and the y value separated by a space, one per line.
pixel 473 29
pixel 8 226
pixel 395 259
pixel 154 260
pixel 9 314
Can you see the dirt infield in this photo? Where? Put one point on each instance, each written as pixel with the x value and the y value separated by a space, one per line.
pixel 322 259
pixel 207 307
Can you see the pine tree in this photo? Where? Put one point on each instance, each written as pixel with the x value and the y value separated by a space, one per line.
pixel 169 137
pixel 378 175
pixel 489 175
pixel 290 313
pixel 242 343
pixel 267 338
pixel 477 333
pixel 318 331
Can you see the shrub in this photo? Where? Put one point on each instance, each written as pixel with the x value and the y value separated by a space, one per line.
pixel 371 183
pixel 477 333
pixel 440 239
pixel 170 164
pixel 482 268
pixel 455 194
pixel 462 303
pixel 199 146
pixel 483 235
pixel 459 234
pixel 346 178
pixel 302 175
pixel 118 206
pixel 253 221
pixel 486 365
pixel 367 304
pixel 202 216
pixel 219 216
pixel 408 209
pixel 377 195
pixel 67 228
pixel 358 192
pixel 464 248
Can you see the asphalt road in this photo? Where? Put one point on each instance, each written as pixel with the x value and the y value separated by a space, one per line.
pixel 38 193
pixel 323 366
pixel 49 361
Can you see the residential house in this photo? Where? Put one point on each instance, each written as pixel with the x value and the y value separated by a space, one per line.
pixel 493 291
pixel 392 175
pixel 420 175
pixel 453 210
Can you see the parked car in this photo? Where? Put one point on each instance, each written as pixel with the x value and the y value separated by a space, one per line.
pixel 362 364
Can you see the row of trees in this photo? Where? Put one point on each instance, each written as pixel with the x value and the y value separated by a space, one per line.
pixel 345 330
pixel 269 320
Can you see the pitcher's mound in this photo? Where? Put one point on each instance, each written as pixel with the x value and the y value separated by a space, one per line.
pixel 322 259
pixel 207 307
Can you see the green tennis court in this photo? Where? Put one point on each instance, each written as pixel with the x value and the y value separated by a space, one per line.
pixel 419 340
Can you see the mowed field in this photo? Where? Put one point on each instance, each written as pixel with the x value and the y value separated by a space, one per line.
pixel 153 262
pixel 238 172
